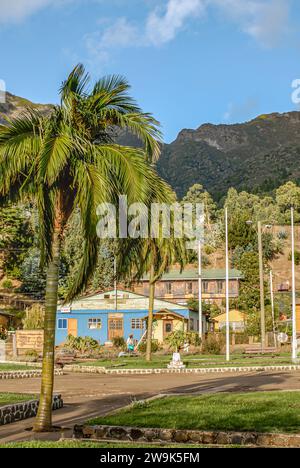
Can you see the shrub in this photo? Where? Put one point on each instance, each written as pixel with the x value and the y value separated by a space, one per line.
pixel 119 342
pixel 7 284
pixel 32 354
pixel 213 344
pixel 84 345
pixel 297 257
pixel 34 318
pixel 3 333
pixel 179 338
pixel 154 346
pixel 176 340
pixel 282 235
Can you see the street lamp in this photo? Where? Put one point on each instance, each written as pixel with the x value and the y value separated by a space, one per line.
pixel 261 281
pixel 227 288
pixel 200 288
pixel 294 339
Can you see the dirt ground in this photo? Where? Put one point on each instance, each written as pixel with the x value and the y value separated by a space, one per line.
pixel 90 395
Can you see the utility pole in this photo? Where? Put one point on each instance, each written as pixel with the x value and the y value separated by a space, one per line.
pixel 294 339
pixel 200 288
pixel 262 285
pixel 272 306
pixel 227 289
pixel 116 284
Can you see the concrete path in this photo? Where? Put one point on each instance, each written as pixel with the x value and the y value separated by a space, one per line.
pixel 89 395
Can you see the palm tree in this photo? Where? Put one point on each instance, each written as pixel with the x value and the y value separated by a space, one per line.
pixel 161 255
pixel 68 160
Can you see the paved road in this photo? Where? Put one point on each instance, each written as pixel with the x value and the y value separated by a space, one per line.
pixel 90 395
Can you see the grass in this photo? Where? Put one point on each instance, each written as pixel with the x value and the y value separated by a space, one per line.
pixel 11 398
pixel 93 445
pixel 191 361
pixel 261 412
pixel 15 367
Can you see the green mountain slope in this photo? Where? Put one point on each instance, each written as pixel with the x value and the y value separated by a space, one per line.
pixel 258 155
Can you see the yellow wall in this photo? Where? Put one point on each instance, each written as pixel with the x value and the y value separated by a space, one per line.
pixel 298 317
pixel 234 316
pixel 158 329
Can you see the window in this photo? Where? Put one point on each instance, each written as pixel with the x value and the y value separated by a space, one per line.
pixel 115 324
pixel 136 324
pixel 192 324
pixel 94 324
pixel 168 328
pixel 220 287
pixel 62 324
pixel 169 288
pixel 205 287
pixel 189 288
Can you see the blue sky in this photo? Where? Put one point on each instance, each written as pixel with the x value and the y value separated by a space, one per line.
pixel 189 61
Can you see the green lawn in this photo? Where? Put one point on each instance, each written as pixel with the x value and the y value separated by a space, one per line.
pixel 196 361
pixel 261 412
pixel 10 398
pixel 15 367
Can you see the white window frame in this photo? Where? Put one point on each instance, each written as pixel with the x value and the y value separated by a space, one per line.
pixel 94 322
pixel 62 320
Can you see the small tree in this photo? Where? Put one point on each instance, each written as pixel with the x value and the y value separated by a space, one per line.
pixel 176 340
pixel 34 318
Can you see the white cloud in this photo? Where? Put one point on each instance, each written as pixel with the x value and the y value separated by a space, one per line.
pixel 116 36
pixel 14 11
pixel 162 26
pixel 264 20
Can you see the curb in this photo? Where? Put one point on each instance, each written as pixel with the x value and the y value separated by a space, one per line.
pixel 213 370
pixel 25 410
pixel 12 375
pixel 144 435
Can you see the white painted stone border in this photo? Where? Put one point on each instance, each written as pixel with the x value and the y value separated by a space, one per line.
pixel 212 370
pixel 25 374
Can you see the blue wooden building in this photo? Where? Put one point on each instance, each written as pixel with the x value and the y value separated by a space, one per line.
pixel 103 318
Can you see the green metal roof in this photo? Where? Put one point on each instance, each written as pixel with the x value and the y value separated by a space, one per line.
pixel 218 274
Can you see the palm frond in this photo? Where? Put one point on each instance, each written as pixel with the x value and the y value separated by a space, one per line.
pixel 144 126
pixel 19 146
pixel 75 85
pixel 89 186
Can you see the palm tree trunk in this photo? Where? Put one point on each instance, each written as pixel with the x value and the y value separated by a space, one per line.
pixel 43 422
pixel 150 315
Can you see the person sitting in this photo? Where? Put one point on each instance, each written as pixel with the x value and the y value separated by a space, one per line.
pixel 130 344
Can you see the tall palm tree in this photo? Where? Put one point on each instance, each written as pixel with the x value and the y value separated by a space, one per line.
pixel 67 160
pixel 161 255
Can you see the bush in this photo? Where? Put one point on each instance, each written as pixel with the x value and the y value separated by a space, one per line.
pixel 297 257
pixel 85 345
pixel 154 347
pixel 213 344
pixel 119 342
pixel 179 338
pixel 7 284
pixel 3 333
pixel 282 235
pixel 32 355
pixel 34 318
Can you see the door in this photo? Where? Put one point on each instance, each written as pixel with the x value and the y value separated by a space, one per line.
pixel 168 328
pixel 73 327
pixel 115 328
